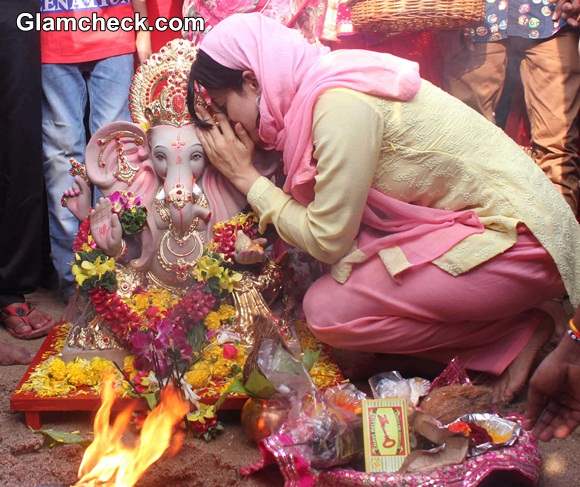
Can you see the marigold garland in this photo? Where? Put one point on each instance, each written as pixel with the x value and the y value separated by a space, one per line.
pixel 53 377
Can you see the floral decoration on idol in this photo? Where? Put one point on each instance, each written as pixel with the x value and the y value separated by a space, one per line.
pixel 171 339
pixel 131 211
pixel 188 340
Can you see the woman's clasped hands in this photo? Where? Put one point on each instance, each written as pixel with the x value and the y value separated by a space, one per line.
pixel 229 149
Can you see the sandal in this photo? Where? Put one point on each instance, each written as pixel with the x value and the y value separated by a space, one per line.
pixel 24 328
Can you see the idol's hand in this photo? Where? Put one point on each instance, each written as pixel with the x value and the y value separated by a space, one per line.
pixel 230 150
pixel 568 10
pixel 553 409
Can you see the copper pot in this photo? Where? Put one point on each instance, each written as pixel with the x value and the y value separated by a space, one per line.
pixel 263 417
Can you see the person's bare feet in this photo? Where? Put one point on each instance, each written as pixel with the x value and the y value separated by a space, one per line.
pixel 512 381
pixel 14 355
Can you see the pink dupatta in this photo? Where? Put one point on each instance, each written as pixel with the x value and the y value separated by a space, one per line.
pixel 293 74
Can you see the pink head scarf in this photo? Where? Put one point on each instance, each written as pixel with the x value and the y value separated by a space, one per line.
pixel 292 74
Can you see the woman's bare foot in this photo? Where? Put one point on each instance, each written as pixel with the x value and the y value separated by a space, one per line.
pixel 78 198
pixel 14 355
pixel 106 228
pixel 512 381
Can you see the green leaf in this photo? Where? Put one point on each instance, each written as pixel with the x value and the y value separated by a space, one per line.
pixel 236 387
pixel 54 438
pixel 258 386
pixel 213 283
pixel 151 399
pixel 310 357
pixel 133 222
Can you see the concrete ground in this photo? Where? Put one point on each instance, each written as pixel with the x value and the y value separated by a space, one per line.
pixel 24 462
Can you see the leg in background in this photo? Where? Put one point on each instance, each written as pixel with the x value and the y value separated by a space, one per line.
pixel 22 209
pixel 63 107
pixel 475 72
pixel 551 78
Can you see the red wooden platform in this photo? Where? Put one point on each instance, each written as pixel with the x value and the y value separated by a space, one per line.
pixel 33 406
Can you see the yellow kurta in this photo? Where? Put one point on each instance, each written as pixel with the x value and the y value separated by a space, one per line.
pixel 433 151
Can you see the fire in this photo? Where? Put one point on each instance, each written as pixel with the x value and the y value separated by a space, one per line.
pixel 108 461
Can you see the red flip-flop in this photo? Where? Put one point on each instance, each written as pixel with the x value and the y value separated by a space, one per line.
pixel 22 311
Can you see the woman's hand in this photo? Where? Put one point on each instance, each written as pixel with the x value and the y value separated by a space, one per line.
pixel 230 150
pixel 553 409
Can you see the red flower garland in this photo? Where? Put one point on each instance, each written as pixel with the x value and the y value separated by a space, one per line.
pixel 117 315
pixel 82 236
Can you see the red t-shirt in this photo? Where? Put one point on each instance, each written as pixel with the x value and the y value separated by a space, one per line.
pixel 68 47
pixel 167 9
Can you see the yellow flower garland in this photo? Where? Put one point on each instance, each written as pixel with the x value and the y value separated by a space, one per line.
pixel 208 267
pixel 54 377
pixel 154 297
pixel 213 371
pixel 238 220
pixel 84 269
pixel 215 319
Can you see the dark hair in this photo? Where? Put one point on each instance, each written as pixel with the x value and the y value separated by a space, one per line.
pixel 211 75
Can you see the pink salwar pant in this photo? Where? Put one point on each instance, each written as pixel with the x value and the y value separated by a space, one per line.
pixel 485 316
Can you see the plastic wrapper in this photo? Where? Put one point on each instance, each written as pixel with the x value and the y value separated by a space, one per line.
pixel 325 432
pixel 344 397
pixel 502 432
pixel 323 429
pixel 324 426
pixel 285 372
pixel 326 437
pixel 392 384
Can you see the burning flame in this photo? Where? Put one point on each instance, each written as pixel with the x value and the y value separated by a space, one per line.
pixel 108 461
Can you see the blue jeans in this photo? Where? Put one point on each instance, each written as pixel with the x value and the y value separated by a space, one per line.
pixel 67 88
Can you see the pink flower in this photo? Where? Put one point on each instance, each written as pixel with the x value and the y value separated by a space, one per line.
pixel 116 200
pixel 152 312
pixel 230 351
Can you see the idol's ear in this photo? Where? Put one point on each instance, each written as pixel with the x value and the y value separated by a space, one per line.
pixel 118 159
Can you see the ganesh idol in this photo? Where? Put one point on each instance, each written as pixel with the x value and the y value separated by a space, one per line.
pixel 155 166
